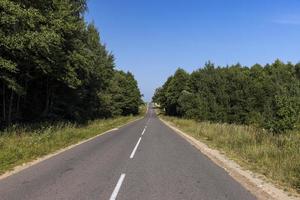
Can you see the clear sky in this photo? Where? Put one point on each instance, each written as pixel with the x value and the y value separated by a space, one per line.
pixel 152 38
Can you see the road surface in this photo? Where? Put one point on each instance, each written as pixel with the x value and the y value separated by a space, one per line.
pixel 140 161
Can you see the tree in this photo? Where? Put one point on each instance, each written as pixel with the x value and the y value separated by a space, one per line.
pixel 126 95
pixel 266 96
pixel 177 84
pixel 54 67
pixel 285 115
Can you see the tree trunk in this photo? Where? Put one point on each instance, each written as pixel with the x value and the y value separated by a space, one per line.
pixel 26 90
pixel 10 107
pixel 18 105
pixel 3 103
pixel 48 92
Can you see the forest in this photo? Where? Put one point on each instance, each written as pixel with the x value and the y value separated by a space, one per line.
pixel 53 66
pixel 263 96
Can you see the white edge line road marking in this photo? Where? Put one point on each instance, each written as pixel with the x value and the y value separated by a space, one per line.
pixel 135 148
pixel 117 188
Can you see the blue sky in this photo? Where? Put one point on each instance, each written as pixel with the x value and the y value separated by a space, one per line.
pixel 152 38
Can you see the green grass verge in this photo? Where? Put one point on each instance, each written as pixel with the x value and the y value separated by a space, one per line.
pixel 276 157
pixel 19 145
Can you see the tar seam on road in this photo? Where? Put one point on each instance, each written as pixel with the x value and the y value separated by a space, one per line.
pixel 135 148
pixel 117 188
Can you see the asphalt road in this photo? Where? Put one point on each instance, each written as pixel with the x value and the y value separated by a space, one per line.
pixel 140 161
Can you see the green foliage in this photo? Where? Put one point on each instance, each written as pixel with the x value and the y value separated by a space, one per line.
pixel 285 114
pixel 126 96
pixel 172 91
pixel 53 65
pixel 266 96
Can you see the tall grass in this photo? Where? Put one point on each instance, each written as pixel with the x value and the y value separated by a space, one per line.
pixel 275 156
pixel 20 144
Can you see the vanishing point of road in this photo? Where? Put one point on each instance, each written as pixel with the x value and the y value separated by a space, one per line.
pixel 144 160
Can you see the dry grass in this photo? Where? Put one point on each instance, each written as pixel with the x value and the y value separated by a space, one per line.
pixel 23 144
pixel 277 157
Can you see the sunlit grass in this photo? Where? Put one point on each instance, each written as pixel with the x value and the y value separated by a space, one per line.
pixel 20 144
pixel 275 156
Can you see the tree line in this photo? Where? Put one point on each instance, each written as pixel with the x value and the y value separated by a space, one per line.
pixel 265 96
pixel 53 65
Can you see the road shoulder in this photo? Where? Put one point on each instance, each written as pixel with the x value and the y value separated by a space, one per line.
pixel 258 187
pixel 26 165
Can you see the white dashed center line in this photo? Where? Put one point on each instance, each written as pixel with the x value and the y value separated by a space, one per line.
pixel 117 188
pixel 143 131
pixel 122 177
pixel 135 148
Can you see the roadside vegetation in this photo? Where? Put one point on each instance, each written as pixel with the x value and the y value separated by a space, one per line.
pixel 250 113
pixel 262 96
pixel 275 156
pixel 20 144
pixel 58 82
pixel 54 67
